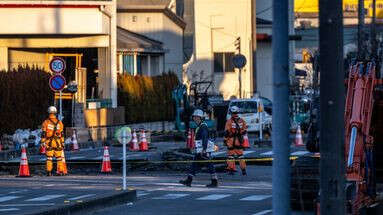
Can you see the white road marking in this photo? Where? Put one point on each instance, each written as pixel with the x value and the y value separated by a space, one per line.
pixel 9 209
pixel 81 197
pixel 18 191
pixel 300 153
pixel 7 198
pixel 267 153
pixel 172 196
pixel 214 197
pixel 256 198
pixel 142 193
pixel 76 157
pixel 27 205
pixel 44 198
pixel 218 153
pixel 247 152
pixel 263 212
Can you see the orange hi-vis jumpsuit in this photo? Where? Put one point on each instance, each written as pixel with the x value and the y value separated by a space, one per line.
pixel 53 138
pixel 235 128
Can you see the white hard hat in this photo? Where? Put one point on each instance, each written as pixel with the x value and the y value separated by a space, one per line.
pixel 198 112
pixel 52 109
pixel 234 110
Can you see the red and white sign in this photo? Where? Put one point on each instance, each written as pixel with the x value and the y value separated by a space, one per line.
pixel 57 65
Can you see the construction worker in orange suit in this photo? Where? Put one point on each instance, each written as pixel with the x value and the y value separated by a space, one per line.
pixel 53 138
pixel 235 129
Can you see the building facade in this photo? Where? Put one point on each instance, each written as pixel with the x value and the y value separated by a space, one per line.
pixel 82 32
pixel 222 29
pixel 156 21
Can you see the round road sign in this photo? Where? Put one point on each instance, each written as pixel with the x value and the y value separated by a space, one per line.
pixel 239 61
pixel 57 82
pixel 57 65
pixel 119 134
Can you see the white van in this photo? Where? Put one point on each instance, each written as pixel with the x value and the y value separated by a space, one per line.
pixel 248 112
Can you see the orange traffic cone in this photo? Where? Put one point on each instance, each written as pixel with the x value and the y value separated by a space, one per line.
pixel 64 169
pixel 245 141
pixel 192 143
pixel 134 143
pixel 189 140
pixel 298 137
pixel 42 149
pixel 74 142
pixel 24 169
pixel 106 165
pixel 143 142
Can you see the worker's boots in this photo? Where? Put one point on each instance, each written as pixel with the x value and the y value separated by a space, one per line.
pixel 187 182
pixel 244 172
pixel 49 173
pixel 214 183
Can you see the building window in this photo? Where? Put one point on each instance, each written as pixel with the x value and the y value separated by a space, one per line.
pixel 147 19
pixel 223 62
pixel 134 18
pixel 128 64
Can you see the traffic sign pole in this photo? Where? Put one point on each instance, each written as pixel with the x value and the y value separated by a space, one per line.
pixel 61 107
pixel 124 139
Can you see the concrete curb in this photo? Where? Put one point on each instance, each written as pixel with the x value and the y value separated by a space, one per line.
pixel 76 207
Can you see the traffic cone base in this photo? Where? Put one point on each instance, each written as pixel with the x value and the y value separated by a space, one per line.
pixel 24 169
pixel 106 165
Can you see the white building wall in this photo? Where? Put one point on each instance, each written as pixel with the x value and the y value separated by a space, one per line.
pixel 217 25
pixel 51 21
pixel 173 44
pixel 264 70
pixel 159 27
pixel 151 29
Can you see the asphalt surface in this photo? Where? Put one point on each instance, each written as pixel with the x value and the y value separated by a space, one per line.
pixel 159 193
pixel 32 195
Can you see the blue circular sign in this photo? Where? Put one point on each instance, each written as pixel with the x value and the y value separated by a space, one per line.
pixel 239 61
pixel 57 65
pixel 57 82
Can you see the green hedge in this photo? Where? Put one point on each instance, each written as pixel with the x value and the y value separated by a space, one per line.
pixel 147 99
pixel 24 98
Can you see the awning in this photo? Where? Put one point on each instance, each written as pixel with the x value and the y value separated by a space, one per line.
pixel 128 41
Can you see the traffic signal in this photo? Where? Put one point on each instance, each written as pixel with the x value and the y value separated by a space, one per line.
pixel 237 44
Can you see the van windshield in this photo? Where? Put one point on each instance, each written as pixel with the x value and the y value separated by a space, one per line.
pixel 246 106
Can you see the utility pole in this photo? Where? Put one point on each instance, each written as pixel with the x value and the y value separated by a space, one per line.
pixel 373 31
pixel 280 133
pixel 361 51
pixel 253 75
pixel 237 44
pixel 332 101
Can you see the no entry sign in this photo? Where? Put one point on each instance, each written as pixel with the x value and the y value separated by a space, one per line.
pixel 57 82
pixel 57 65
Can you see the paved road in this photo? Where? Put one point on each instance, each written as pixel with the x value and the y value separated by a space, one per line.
pixel 21 195
pixel 158 193
pixel 161 194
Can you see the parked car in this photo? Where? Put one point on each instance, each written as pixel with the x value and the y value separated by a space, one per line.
pixel 248 112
